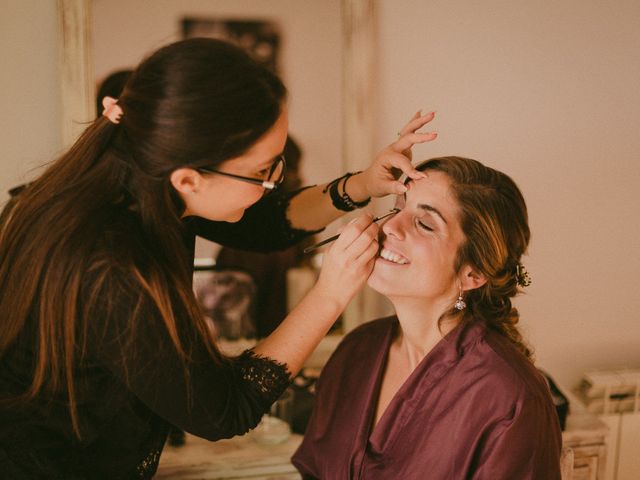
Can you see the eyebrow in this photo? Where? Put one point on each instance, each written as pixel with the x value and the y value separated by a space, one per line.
pixel 268 163
pixel 429 208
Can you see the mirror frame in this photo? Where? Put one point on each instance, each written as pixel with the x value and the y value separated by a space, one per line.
pixel 358 38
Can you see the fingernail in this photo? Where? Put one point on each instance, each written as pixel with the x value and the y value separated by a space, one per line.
pixel 401 188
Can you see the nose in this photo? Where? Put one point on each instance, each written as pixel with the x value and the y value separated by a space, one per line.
pixel 394 226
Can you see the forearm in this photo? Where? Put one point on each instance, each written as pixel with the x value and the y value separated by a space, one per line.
pixel 346 266
pixel 313 209
pixel 301 331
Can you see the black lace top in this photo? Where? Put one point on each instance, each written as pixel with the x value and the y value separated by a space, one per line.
pixel 135 385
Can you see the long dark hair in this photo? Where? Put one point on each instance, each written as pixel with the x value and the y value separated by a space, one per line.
pixel 494 220
pixel 193 103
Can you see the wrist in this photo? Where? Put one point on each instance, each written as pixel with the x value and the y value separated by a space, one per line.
pixel 356 188
pixel 328 300
pixel 339 192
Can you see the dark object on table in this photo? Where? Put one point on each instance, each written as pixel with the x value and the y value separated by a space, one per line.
pixel 176 437
pixel 303 388
pixel 559 400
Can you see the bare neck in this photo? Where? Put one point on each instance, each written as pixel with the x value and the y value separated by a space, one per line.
pixel 420 330
pixel 420 327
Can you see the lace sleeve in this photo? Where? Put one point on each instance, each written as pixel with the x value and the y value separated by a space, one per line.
pixel 266 377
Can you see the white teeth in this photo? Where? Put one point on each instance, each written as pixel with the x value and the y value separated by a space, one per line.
pixel 393 257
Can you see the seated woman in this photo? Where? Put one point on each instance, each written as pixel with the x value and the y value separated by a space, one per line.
pixel 445 389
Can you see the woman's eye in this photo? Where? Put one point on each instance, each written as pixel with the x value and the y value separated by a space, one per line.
pixel 263 172
pixel 424 227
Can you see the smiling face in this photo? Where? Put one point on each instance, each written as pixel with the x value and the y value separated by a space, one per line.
pixel 420 243
pixel 221 198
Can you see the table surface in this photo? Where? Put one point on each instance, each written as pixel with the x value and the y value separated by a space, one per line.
pixel 236 458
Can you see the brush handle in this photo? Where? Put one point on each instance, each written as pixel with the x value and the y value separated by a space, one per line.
pixel 320 244
pixel 335 237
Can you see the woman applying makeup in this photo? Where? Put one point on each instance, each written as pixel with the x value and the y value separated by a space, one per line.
pixel 445 389
pixel 103 343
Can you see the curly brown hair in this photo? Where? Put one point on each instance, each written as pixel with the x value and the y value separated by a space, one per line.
pixel 494 220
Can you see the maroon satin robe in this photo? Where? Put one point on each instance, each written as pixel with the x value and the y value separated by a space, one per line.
pixel 474 408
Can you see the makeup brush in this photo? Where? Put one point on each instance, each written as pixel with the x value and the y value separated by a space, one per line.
pixel 331 239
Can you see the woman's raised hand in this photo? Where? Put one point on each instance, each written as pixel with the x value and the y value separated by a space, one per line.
pixel 381 178
pixel 347 264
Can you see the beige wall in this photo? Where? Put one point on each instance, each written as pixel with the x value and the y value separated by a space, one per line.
pixel 311 57
pixel 549 92
pixel 30 131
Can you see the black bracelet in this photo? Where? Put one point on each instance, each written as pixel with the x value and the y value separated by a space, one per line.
pixel 347 199
pixel 336 198
pixel 342 201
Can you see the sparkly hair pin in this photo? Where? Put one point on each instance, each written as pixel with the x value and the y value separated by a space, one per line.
pixel 522 276
pixel 112 110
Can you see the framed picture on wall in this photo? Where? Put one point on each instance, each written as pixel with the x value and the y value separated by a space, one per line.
pixel 259 38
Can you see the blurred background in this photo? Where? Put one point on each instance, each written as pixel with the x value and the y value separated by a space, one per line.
pixel 546 91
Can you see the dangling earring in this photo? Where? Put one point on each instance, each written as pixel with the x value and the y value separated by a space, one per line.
pixel 460 305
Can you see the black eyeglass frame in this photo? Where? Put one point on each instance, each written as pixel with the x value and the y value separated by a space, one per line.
pixel 267 185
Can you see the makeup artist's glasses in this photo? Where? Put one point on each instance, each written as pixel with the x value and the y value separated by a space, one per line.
pixel 271 180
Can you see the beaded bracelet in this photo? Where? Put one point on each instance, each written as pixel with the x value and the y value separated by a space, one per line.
pixel 342 201
pixel 347 199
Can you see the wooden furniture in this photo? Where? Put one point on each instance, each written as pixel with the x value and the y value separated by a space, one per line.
pixel 614 396
pixel 587 436
pixel 566 463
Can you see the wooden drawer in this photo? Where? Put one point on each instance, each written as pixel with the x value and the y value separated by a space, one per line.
pixel 585 468
pixel 588 463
